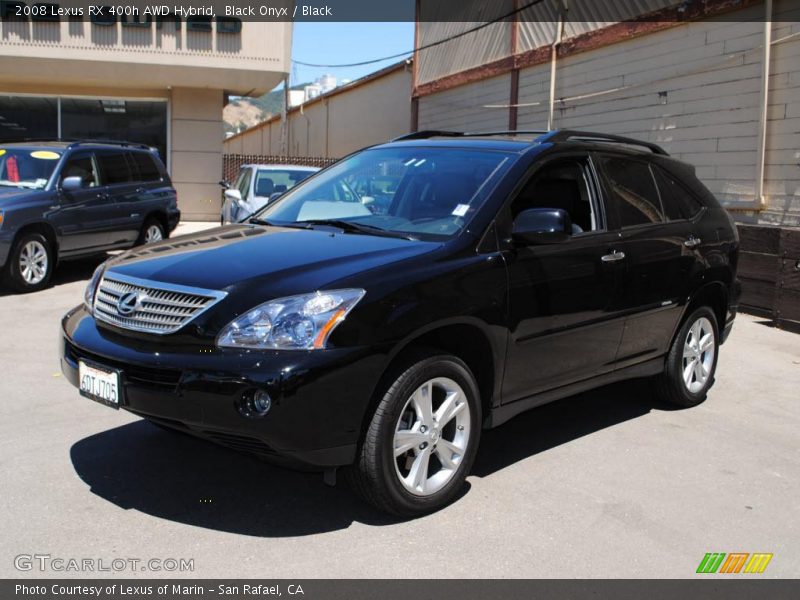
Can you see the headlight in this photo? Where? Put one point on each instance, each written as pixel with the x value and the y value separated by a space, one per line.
pixel 301 322
pixel 91 289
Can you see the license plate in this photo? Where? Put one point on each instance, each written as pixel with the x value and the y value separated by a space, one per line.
pixel 99 384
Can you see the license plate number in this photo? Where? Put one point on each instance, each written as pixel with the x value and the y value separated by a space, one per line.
pixel 101 385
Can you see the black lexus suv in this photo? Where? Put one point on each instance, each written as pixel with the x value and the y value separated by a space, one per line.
pixel 508 270
pixel 61 200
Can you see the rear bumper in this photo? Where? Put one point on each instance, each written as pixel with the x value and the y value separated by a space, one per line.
pixel 173 218
pixel 319 398
pixel 733 309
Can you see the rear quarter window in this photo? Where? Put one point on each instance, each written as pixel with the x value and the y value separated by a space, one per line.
pixel 679 202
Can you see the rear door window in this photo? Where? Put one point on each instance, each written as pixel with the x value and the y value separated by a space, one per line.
pixel 114 168
pixel 146 166
pixel 678 202
pixel 633 189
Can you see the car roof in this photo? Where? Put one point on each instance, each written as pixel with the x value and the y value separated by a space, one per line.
pixel 68 144
pixel 522 141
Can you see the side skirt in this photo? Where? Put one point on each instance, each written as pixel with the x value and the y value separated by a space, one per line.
pixel 503 413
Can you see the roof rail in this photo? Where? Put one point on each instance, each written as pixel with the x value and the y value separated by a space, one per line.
pixel 566 135
pixel 429 133
pixel 124 144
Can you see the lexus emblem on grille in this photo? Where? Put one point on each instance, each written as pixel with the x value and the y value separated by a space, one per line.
pixel 129 303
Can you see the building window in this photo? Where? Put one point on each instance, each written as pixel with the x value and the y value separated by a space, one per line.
pixel 27 117
pixel 119 119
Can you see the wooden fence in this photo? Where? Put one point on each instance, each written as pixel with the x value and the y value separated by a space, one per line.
pixel 232 162
pixel 769 269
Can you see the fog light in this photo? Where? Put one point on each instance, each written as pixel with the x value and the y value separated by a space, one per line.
pixel 261 402
pixel 254 404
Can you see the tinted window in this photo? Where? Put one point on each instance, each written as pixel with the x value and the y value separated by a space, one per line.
pixel 84 167
pixel 634 190
pixel 678 202
pixel 560 185
pixel 148 170
pixel 114 167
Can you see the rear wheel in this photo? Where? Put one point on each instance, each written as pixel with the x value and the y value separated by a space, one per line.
pixel 422 439
pixel 152 231
pixel 31 263
pixel 692 360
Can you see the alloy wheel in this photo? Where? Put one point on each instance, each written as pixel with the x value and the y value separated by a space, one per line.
pixel 431 436
pixel 153 234
pixel 698 355
pixel 33 262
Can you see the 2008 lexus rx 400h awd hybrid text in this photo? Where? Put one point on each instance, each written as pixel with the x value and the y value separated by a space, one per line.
pixel 508 270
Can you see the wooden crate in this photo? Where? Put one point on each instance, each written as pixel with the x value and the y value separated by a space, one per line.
pixel 759 268
pixel 787 303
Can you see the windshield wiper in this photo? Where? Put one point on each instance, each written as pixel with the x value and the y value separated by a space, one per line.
pixel 351 227
pixel 266 223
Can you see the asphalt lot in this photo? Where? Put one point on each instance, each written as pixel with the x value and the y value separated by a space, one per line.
pixel 605 484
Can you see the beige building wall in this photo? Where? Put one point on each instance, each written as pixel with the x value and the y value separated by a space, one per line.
pixel 351 117
pixel 479 106
pixel 196 157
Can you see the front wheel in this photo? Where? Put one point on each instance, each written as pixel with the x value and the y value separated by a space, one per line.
pixel 422 439
pixel 31 263
pixel 691 362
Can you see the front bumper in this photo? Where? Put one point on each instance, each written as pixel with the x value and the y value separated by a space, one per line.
pixel 6 241
pixel 319 397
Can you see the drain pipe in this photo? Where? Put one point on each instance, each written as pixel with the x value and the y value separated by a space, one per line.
pixel 553 61
pixel 761 150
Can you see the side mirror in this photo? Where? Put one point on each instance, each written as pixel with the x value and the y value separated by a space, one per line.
pixel 224 184
pixel 72 184
pixel 542 226
pixel 233 195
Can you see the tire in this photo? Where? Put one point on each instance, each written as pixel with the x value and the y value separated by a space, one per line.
pixel 152 231
pixel 386 481
pixel 30 264
pixel 680 384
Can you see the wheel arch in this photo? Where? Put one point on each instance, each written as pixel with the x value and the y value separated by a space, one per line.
pixel 713 294
pixel 469 339
pixel 44 228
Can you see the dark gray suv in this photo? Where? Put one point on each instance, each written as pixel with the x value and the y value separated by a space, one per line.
pixel 62 200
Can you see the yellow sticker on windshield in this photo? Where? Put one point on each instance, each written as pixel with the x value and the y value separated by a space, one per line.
pixel 2 151
pixel 46 155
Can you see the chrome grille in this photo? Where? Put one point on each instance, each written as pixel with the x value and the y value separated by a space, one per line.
pixel 152 306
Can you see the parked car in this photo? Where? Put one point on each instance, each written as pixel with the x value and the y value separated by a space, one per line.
pixel 62 200
pixel 256 186
pixel 509 271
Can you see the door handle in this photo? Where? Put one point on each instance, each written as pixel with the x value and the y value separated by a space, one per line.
pixel 614 256
pixel 692 242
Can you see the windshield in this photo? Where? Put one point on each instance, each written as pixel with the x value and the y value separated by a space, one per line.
pixel 27 168
pixel 277 181
pixel 424 193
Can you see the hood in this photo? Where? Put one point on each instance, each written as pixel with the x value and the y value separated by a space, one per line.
pixel 282 261
pixel 11 195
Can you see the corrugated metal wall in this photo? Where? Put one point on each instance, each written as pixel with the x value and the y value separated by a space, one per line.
pixel 693 88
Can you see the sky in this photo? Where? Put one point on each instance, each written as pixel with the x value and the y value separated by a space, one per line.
pixel 336 43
